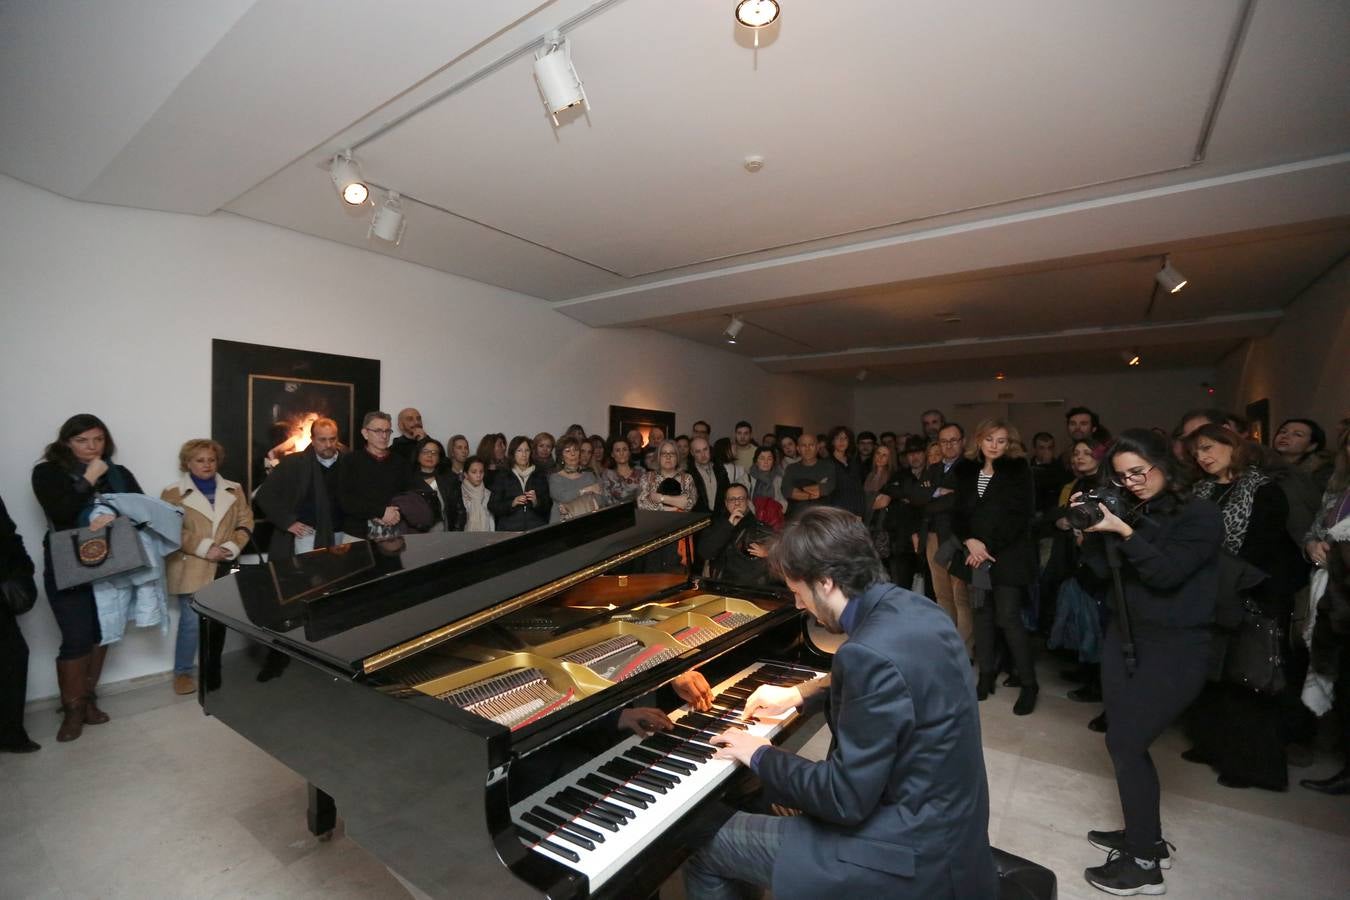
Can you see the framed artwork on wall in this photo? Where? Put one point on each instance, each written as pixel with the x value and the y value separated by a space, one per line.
pixel 623 419
pixel 1258 421
pixel 264 400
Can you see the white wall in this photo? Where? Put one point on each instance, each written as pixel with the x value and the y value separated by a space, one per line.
pixel 112 311
pixel 1303 366
pixel 1127 399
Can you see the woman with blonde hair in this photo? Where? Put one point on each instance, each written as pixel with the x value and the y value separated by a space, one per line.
pixel 995 502
pixel 217 524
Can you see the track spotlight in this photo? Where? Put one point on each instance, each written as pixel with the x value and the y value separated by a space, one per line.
pixel 387 224
pixel 733 329
pixel 557 77
pixel 1130 357
pixel 757 14
pixel 862 375
pixel 1170 279
pixel 346 175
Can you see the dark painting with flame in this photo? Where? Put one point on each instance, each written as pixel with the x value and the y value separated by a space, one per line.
pixel 264 400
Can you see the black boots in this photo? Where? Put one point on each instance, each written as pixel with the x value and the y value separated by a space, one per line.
pixel 1338 784
pixel 1026 700
pixel 986 685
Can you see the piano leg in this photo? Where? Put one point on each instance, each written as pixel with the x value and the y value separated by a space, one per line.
pixel 322 814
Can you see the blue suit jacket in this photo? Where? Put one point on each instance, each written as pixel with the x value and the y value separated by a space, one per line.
pixel 900 806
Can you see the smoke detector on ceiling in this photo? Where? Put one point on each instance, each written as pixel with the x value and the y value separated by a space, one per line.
pixel 754 163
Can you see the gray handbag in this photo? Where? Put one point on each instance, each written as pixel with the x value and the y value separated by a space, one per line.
pixel 81 556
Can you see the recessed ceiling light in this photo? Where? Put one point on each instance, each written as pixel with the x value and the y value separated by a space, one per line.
pixel 999 376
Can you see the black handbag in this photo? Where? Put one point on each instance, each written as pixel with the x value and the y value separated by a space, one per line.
pixel 1253 659
pixel 19 593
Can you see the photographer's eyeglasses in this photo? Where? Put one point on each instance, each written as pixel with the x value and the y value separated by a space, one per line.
pixel 1133 476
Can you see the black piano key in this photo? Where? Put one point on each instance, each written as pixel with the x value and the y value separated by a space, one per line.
pixel 691 743
pixel 695 736
pixel 596 803
pixel 553 847
pixel 554 831
pixel 676 748
pixel 711 723
pixel 646 774
pixel 558 821
pixel 594 816
pixel 627 794
pixel 657 760
pixel 613 768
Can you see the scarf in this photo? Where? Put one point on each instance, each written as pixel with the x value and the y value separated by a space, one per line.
pixel 761 482
pixel 1236 505
pixel 476 504
pixel 876 480
pixel 522 475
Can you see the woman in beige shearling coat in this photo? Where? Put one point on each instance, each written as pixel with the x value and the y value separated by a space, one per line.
pixel 217 523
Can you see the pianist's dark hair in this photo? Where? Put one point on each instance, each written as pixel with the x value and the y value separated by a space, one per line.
pixel 828 543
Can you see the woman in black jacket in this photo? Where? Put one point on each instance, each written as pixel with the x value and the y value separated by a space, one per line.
pixel 991 517
pixel 1168 550
pixel 443 486
pixel 848 485
pixel 1240 732
pixel 75 468
pixel 520 499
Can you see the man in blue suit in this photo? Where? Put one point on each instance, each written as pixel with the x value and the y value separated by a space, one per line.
pixel 900 806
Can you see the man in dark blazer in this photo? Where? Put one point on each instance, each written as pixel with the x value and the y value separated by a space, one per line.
pixel 710 478
pixel 900 806
pixel 299 498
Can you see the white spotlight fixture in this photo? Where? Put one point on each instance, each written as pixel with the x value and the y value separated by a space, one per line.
pixel 862 375
pixel 346 175
pixel 757 14
pixel 1130 357
pixel 387 224
pixel 734 329
pixel 1170 279
pixel 557 77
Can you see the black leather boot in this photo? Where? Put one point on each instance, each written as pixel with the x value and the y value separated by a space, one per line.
pixel 1337 785
pixel 986 685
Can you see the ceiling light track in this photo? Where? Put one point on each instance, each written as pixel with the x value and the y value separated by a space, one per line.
pixel 526 49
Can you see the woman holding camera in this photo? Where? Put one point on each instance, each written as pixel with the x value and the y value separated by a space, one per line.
pixel 995 502
pixel 1167 548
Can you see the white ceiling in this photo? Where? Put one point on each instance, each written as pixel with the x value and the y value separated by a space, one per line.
pixel 1023 167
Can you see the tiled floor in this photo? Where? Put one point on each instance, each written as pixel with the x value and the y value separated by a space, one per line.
pixel 164 802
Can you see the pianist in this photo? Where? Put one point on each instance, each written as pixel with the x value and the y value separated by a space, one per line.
pixel 900 806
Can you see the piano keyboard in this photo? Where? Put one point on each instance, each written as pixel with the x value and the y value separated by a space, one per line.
pixel 597 818
pixel 619 657
pixel 513 699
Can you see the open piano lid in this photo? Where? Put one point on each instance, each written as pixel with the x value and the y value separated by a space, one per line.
pixel 366 605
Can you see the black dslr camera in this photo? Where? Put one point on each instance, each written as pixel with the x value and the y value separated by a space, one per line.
pixel 1087 513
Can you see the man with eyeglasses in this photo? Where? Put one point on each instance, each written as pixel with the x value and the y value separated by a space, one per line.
pixel 370 478
pixel 950 592
pixel 735 544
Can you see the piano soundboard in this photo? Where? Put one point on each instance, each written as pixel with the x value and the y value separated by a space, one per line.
pixel 600 816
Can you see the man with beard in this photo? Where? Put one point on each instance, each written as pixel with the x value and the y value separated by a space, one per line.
pixel 899 808
pixel 299 498
pixel 735 544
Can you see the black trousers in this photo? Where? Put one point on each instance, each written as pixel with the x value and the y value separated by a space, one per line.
pixel 13 678
pixel 1172 668
pixel 903 567
pixel 1003 609
pixel 76 615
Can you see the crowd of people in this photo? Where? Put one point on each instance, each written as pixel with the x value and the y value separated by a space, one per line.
pixel 979 521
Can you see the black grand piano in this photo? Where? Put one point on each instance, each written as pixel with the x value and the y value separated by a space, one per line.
pixel 455 697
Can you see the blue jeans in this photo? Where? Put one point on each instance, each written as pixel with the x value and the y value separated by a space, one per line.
pixel 185 649
pixel 738 861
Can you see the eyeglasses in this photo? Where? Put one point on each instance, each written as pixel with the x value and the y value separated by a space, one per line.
pixel 380 430
pixel 949 441
pixel 1133 476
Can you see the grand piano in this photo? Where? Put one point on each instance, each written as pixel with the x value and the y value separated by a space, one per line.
pixel 455 698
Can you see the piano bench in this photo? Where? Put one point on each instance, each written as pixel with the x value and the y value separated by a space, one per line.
pixel 1022 879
